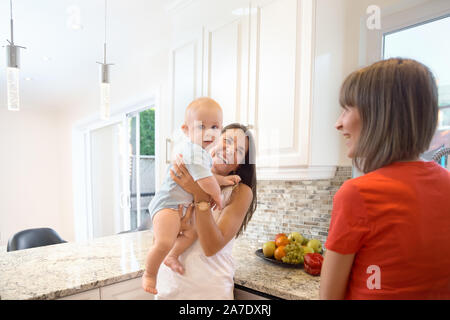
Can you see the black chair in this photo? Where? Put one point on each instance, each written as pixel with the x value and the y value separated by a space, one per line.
pixel 32 238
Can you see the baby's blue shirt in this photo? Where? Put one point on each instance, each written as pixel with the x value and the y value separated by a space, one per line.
pixel 198 162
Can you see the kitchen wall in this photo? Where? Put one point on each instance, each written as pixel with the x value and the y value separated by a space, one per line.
pixel 34 167
pixel 302 206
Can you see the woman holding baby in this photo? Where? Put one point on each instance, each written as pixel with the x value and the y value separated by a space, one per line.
pixel 200 264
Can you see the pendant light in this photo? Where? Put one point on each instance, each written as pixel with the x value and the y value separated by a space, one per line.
pixel 12 70
pixel 105 86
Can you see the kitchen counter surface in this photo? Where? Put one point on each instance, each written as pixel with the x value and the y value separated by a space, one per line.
pixel 65 269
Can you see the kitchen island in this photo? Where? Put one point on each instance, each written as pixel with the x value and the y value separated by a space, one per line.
pixel 68 269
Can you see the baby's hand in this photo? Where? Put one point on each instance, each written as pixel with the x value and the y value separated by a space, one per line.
pixel 231 180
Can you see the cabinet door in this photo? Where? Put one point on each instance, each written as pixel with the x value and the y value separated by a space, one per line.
pixel 93 294
pixel 185 78
pixel 125 290
pixel 226 67
pixel 281 82
pixel 185 71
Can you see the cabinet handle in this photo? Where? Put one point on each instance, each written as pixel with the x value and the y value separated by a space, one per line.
pixel 167 149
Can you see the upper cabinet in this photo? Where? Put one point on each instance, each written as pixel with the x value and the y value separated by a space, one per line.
pixel 226 65
pixel 257 61
pixel 281 73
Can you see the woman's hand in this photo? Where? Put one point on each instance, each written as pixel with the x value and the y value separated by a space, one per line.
pixel 183 178
pixel 186 221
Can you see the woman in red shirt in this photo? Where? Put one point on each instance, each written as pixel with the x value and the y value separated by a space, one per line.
pixel 389 235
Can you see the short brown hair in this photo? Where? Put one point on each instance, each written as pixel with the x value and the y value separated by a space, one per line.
pixel 397 100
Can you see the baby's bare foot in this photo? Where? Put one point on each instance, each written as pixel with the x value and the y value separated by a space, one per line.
pixel 149 283
pixel 173 263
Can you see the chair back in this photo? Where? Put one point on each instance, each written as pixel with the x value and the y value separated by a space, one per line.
pixel 32 238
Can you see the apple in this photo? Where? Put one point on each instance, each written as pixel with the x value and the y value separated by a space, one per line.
pixel 295 237
pixel 307 250
pixel 269 248
pixel 315 244
pixel 279 235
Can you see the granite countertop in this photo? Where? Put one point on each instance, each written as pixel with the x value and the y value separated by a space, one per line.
pixel 60 270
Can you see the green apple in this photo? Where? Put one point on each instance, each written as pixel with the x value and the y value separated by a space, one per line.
pixel 307 250
pixel 269 248
pixel 315 245
pixel 295 237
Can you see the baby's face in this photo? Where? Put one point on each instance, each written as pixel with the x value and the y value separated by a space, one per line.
pixel 204 126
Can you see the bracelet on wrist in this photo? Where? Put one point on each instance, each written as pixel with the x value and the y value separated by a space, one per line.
pixel 202 199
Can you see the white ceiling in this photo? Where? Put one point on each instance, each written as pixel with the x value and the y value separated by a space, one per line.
pixel 137 30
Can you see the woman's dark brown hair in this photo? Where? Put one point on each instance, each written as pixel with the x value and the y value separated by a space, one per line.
pixel 397 100
pixel 247 171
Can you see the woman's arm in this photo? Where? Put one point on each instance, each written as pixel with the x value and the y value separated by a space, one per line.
pixel 334 275
pixel 211 186
pixel 214 236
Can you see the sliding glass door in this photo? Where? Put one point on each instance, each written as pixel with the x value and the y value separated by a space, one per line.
pixel 142 164
pixel 121 173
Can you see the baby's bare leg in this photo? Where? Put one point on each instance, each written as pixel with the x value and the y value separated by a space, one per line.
pixel 166 225
pixel 183 242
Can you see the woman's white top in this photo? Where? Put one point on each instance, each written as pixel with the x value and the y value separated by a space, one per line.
pixel 204 278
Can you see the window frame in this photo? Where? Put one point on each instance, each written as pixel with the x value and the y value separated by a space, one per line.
pixel 397 21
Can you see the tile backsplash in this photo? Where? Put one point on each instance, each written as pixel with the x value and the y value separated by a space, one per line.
pixel 302 206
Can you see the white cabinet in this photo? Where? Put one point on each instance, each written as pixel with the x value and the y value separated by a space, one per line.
pixel 125 290
pixel 226 66
pixel 257 62
pixel 282 103
pixel 185 77
pixel 93 294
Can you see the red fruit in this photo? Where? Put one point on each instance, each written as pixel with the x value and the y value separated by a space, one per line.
pixel 313 263
pixel 279 235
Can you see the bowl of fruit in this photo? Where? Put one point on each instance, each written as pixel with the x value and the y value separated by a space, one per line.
pixel 289 250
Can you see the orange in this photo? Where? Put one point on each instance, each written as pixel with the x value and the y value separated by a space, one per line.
pixel 282 241
pixel 279 235
pixel 279 253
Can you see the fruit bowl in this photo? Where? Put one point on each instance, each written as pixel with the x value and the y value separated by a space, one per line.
pixel 260 254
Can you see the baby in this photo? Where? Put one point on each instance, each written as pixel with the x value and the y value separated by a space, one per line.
pixel 202 124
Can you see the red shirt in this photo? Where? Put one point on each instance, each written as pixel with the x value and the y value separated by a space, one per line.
pixel 397 222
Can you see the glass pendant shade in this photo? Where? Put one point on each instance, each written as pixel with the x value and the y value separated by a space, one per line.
pixel 12 80
pixel 105 103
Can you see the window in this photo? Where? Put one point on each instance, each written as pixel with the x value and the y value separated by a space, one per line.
pixel 426 42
